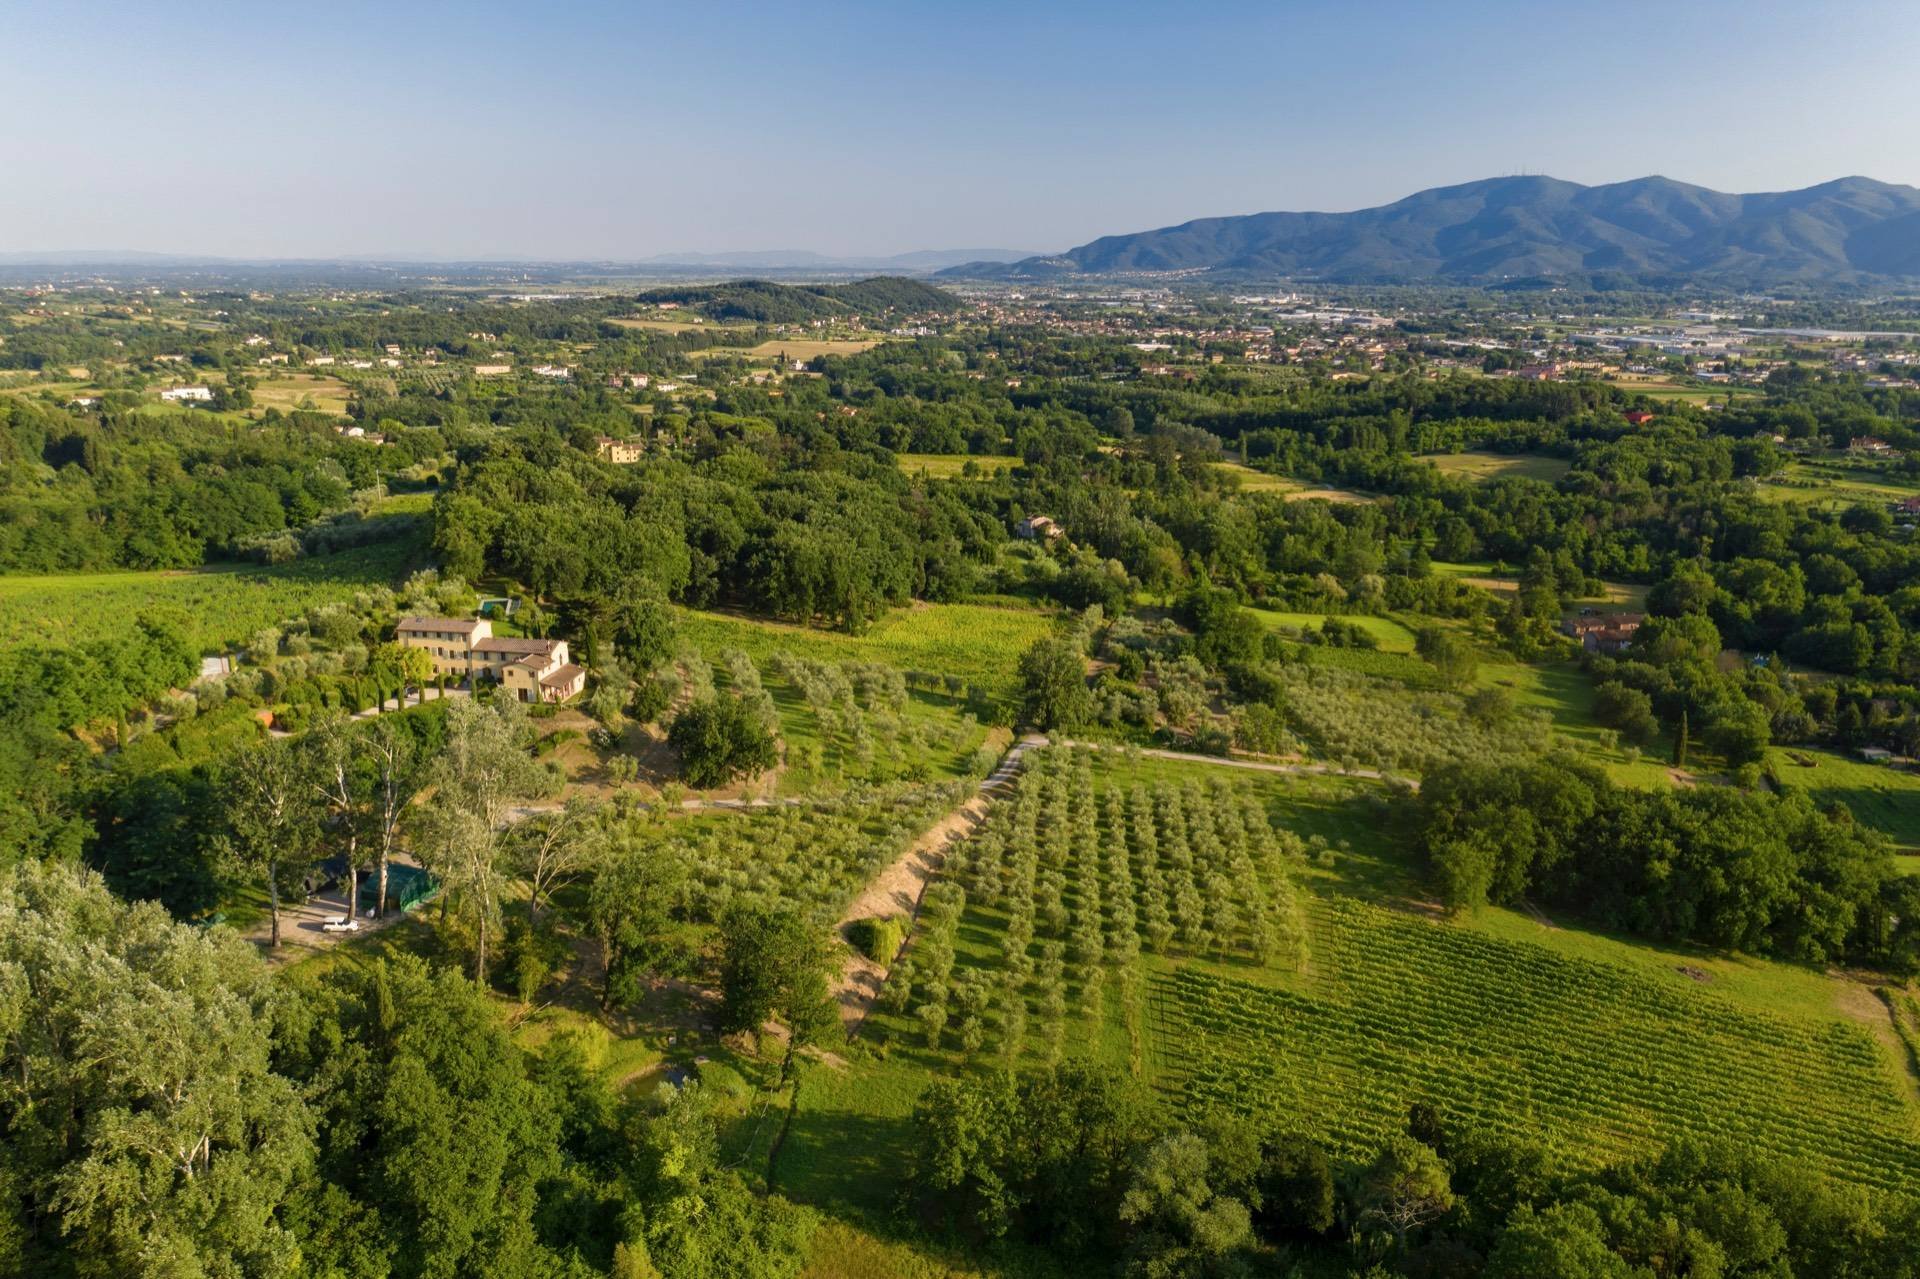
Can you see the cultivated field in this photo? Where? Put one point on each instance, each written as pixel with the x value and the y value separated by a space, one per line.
pixel 1313 986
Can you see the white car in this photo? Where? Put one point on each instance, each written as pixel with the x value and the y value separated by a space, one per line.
pixel 340 924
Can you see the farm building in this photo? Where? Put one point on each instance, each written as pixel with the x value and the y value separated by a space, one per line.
pixel 534 670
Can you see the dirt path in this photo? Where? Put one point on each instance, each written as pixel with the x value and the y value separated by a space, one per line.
pixel 897 889
pixel 1256 765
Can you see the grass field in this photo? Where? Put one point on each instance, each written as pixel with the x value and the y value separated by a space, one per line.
pixel 218 607
pixel 1290 489
pixel 792 348
pixel 1487 466
pixel 1393 637
pixel 1833 484
pixel 663 326
pixel 1879 795
pixel 950 466
pixel 291 391
pixel 1566 695
pixel 1596 1046
pixel 1687 392
pixel 980 644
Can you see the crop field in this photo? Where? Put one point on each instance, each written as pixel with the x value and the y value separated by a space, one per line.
pixel 1255 944
pixel 975 646
pixel 218 607
pixel 952 466
pixel 1393 637
pixel 1488 466
pixel 1882 796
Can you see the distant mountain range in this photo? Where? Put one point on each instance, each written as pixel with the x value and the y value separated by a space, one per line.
pixel 1655 230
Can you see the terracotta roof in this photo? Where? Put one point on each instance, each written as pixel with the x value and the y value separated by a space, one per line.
pixel 512 644
pixel 564 676
pixel 463 624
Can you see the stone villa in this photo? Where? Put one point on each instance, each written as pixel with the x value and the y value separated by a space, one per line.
pixel 534 670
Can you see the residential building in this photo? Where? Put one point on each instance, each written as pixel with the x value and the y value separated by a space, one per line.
pixel 533 670
pixel 1870 447
pixel 187 394
pixel 1604 632
pixel 1036 528
pixel 619 451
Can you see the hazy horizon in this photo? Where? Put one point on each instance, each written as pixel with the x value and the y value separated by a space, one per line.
pixel 629 132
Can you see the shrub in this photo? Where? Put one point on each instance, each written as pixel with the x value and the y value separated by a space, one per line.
pixel 877 937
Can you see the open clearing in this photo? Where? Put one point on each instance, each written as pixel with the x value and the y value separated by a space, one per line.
pixel 1290 489
pixel 301 390
pixel 979 644
pixel 791 348
pixel 1834 484
pixel 952 466
pixel 1488 466
pixel 1883 796
pixel 664 326
pixel 217 606
pixel 1393 637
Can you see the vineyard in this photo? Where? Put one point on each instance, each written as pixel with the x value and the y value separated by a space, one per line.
pixel 1078 882
pixel 1592 1059
pixel 1139 914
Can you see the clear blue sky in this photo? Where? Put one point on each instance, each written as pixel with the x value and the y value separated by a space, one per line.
pixel 623 130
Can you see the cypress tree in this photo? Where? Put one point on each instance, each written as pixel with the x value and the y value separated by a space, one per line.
pixel 1680 742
